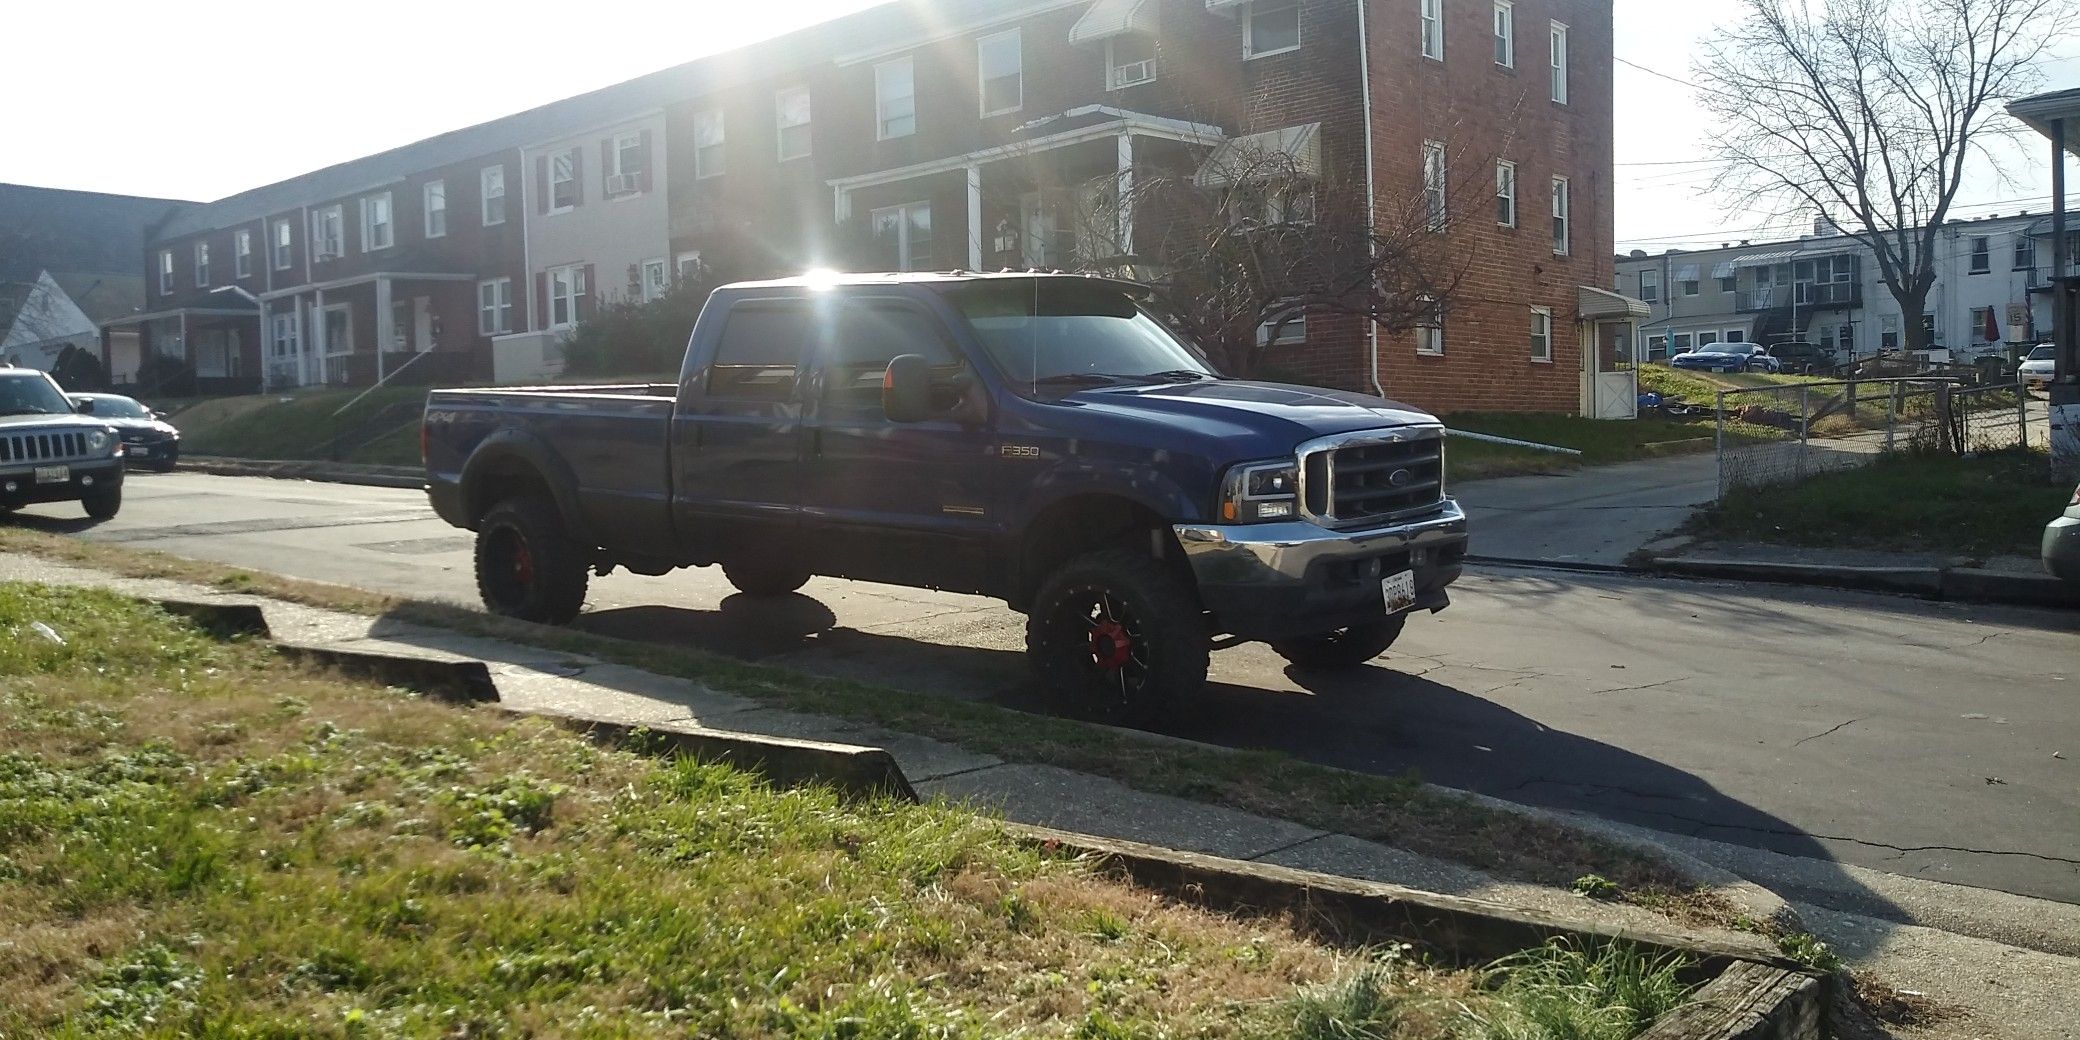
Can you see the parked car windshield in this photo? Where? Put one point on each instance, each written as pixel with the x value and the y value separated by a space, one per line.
pixel 117 408
pixel 1058 333
pixel 31 394
pixel 2041 354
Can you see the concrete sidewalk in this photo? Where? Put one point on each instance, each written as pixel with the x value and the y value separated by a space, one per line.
pixel 1597 516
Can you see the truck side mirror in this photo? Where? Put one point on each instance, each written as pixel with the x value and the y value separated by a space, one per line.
pixel 86 407
pixel 906 388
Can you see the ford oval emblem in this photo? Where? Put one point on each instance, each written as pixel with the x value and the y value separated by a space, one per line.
pixel 1400 478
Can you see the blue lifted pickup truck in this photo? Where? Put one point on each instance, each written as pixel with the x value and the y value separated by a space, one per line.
pixel 1041 439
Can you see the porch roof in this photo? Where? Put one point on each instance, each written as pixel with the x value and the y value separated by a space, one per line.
pixel 360 279
pixel 1109 18
pixel 175 312
pixel 1593 303
pixel 1076 126
pixel 1297 150
pixel 2042 110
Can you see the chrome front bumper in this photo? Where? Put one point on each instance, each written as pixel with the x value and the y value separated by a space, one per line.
pixel 1274 554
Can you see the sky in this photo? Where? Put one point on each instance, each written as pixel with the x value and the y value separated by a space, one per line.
pixel 182 103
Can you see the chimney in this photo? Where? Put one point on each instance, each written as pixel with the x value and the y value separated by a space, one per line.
pixel 1825 225
pixel 1745 241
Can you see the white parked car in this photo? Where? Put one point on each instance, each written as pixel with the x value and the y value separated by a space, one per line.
pixel 2036 370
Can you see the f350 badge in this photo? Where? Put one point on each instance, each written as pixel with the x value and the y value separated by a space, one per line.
pixel 1021 451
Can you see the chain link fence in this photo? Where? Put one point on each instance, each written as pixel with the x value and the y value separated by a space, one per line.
pixel 1788 432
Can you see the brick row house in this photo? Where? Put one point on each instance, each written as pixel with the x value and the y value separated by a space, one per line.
pixel 940 134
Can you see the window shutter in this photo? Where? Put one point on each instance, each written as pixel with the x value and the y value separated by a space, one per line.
pixel 606 165
pixel 583 309
pixel 577 177
pixel 647 161
pixel 541 184
pixel 541 299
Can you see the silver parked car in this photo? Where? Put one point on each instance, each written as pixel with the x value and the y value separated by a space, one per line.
pixel 2062 542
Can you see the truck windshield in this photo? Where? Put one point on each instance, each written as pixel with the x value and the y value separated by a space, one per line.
pixel 1058 333
pixel 31 395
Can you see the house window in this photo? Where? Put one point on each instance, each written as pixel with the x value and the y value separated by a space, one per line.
pixel 493 181
pixel 338 329
pixel 708 156
pixel 1433 184
pixel 242 254
pixel 1270 28
pixel 284 244
pixel 1432 13
pixel 566 295
pixel 1283 330
pixel 1728 283
pixel 494 307
pixel 1541 334
pixel 1679 343
pixel 375 222
pixel 656 279
pixel 1736 335
pixel 1505 34
pixel 165 271
pixel 2025 253
pixel 791 116
pixel 1650 286
pixel 401 326
pixel 1888 332
pixel 1845 338
pixel 436 209
pixel 687 265
pixel 1000 73
pixel 1687 281
pixel 563 181
pixel 201 265
pixel 1982 258
pixel 285 339
pixel 895 99
pixel 1562 207
pixel 1559 54
pixel 905 235
pixel 1506 194
pixel 1928 331
pixel 629 155
pixel 1130 60
pixel 1430 328
pixel 1981 318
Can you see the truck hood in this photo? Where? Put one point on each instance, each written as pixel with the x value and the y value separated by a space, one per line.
pixel 1274 416
pixel 67 421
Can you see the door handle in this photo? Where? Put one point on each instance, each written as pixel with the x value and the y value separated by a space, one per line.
pixel 816 442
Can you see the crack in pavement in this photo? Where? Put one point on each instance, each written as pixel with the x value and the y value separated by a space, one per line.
pixel 1647 686
pixel 1828 732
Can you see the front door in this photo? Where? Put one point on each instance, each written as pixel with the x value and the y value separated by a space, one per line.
pixel 736 437
pixel 887 501
pixel 1610 385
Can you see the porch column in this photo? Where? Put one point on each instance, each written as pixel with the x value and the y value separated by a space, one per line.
pixel 187 349
pixel 266 352
pixel 974 217
pixel 841 205
pixel 1125 238
pixel 386 324
pixel 316 343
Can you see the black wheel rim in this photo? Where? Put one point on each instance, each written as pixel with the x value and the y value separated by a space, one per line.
pixel 1109 644
pixel 509 566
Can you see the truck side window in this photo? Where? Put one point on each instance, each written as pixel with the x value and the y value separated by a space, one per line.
pixel 760 352
pixel 869 335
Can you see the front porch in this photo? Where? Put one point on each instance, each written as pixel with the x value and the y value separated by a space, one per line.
pixel 184 352
pixel 392 327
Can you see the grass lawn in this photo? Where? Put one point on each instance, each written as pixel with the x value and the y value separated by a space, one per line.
pixel 1396 810
pixel 198 839
pixel 1601 441
pixel 1996 502
pixel 303 426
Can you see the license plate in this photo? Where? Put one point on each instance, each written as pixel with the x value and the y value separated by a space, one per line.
pixel 53 474
pixel 1400 591
pixel 137 451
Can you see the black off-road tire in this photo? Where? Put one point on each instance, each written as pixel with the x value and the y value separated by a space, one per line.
pixel 1167 645
pixel 1345 647
pixel 764 577
pixel 527 566
pixel 103 505
pixel 166 465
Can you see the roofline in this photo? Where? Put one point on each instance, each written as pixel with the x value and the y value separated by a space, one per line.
pixel 1011 13
pixel 212 312
pixel 1808 241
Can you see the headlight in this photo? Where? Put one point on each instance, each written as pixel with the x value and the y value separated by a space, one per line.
pixel 98 442
pixel 1260 491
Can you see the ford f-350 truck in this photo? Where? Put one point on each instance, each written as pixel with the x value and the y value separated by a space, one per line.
pixel 1041 439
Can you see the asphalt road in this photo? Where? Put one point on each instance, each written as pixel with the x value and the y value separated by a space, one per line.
pixel 1935 740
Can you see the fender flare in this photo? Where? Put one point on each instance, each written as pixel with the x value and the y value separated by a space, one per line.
pixel 533 453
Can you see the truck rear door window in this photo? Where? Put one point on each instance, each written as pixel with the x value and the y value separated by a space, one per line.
pixel 870 334
pixel 760 353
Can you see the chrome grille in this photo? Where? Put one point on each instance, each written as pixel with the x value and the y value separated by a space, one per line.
pixel 1375 475
pixel 40 447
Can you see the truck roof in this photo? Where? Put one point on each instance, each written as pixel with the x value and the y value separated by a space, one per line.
pixel 833 279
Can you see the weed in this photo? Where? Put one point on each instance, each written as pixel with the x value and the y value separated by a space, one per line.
pixel 1595 886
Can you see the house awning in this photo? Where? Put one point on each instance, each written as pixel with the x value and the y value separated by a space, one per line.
pixel 1294 150
pixel 1723 269
pixel 1109 18
pixel 1593 303
pixel 1764 259
pixel 1686 273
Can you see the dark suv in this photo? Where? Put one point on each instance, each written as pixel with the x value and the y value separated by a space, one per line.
pixel 1806 359
pixel 50 453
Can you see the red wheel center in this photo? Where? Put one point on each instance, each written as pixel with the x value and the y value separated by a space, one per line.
pixel 1111 647
pixel 523 564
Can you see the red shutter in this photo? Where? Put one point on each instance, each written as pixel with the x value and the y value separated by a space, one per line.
pixel 541 184
pixel 541 300
pixel 584 308
pixel 577 177
pixel 606 165
pixel 647 163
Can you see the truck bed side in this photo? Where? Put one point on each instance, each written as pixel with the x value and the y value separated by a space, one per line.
pixel 601 452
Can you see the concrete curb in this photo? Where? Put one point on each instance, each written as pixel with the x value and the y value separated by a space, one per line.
pixel 865 772
pixel 453 680
pixel 296 469
pixel 221 619
pixel 1958 584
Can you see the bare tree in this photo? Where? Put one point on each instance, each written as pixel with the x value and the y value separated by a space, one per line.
pixel 1873 108
pixel 1247 239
